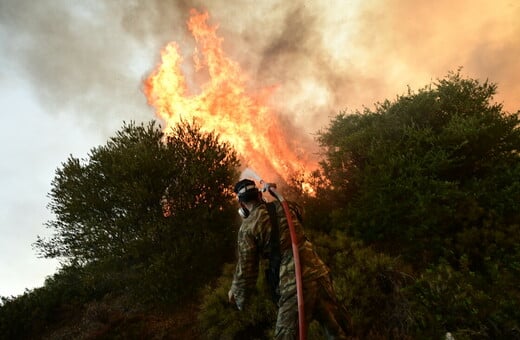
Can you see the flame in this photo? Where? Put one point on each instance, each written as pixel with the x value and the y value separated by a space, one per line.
pixel 241 118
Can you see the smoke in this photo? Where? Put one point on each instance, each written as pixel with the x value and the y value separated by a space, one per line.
pixel 349 54
pixel 418 42
pixel 78 59
pixel 90 58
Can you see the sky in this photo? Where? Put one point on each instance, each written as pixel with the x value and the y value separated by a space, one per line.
pixel 72 71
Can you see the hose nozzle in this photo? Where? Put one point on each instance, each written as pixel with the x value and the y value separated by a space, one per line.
pixel 267 186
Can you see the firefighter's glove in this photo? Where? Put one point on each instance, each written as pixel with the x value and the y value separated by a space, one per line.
pixel 231 299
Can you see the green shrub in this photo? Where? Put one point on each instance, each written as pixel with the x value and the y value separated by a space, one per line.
pixel 109 210
pixel 428 174
pixel 218 319
pixel 369 284
pixel 32 313
pixel 463 303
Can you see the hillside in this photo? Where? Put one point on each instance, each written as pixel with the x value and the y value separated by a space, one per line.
pixel 415 210
pixel 115 318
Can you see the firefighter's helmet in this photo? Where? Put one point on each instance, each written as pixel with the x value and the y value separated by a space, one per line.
pixel 246 190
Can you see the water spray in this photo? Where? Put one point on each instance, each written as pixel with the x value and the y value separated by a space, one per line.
pixel 271 188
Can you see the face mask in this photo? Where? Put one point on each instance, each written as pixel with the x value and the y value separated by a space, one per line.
pixel 243 211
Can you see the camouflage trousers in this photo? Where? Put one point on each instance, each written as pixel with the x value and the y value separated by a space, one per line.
pixel 320 304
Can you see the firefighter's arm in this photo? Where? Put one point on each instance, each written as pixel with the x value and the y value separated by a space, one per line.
pixel 246 272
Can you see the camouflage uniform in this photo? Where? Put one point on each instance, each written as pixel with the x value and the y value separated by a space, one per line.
pixel 319 299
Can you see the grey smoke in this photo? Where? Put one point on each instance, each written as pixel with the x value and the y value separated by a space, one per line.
pixel 91 57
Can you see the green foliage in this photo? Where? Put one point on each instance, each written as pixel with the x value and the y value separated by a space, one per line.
pixel 445 299
pixel 109 209
pixel 370 285
pixel 417 175
pixel 218 319
pixel 32 313
pixel 434 177
pixel 416 212
pixel 316 204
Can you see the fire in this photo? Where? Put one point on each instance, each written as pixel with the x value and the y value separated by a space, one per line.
pixel 223 105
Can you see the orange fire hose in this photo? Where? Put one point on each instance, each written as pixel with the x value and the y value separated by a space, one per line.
pixel 296 256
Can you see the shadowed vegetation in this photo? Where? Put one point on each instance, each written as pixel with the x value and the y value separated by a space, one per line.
pixel 416 212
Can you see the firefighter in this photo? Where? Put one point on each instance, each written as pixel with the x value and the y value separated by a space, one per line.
pixel 254 241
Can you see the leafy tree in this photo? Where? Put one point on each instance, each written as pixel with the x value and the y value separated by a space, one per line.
pixel 434 177
pixel 109 208
pixel 419 174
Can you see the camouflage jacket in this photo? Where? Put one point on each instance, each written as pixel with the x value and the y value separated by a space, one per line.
pixel 253 242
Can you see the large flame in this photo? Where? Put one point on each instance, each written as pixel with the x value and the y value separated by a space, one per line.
pixel 223 105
